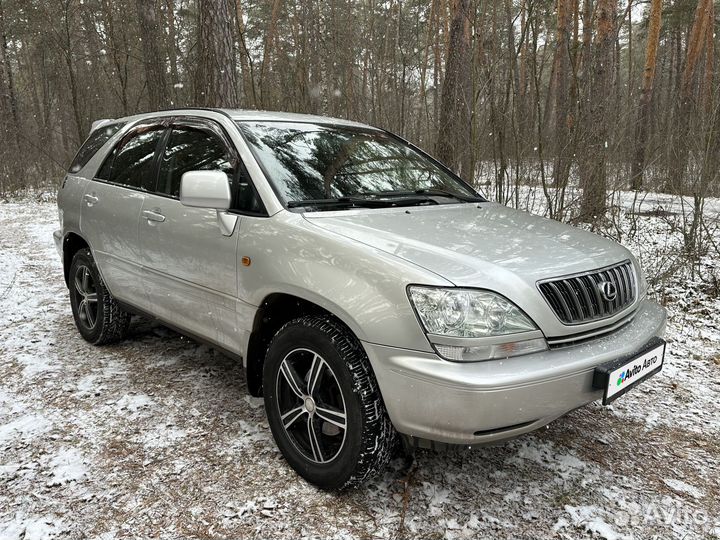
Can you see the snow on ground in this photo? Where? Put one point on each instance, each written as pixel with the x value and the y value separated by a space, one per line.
pixel 157 437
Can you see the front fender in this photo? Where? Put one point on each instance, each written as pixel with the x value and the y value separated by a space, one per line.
pixel 364 287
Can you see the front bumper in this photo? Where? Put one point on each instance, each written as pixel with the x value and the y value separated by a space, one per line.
pixel 431 399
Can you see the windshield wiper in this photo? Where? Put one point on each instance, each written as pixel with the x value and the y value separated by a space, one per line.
pixel 409 199
pixel 430 192
pixel 443 193
pixel 338 201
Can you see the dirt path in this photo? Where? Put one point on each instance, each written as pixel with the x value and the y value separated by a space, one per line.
pixel 157 437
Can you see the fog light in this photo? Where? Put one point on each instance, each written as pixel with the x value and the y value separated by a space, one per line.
pixel 489 352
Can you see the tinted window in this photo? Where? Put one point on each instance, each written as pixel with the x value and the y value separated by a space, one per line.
pixel 94 142
pixel 190 149
pixel 131 162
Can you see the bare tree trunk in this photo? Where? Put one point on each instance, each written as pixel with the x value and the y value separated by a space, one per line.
pixel 78 113
pixel 216 78
pixel 245 59
pixel 422 120
pixel 9 125
pixel 173 50
pixel 437 56
pixel 268 46
pixel 562 160
pixel 583 91
pixel 119 58
pixel 707 86
pixel 695 45
pixel 686 108
pixel 523 108
pixel 455 131
pixel 574 108
pixel 154 58
pixel 631 62
pixel 8 96
pixel 593 199
pixel 641 127
pixel 586 34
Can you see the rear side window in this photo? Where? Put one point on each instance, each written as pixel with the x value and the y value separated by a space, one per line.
pixel 94 142
pixel 131 161
pixel 190 149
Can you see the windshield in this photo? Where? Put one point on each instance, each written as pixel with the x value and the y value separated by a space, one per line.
pixel 314 164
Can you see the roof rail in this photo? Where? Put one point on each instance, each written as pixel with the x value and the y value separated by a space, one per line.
pixel 208 109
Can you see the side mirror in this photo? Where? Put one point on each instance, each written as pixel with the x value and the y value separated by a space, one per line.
pixel 205 189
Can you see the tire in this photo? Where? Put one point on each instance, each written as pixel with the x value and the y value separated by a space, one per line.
pixel 97 315
pixel 314 370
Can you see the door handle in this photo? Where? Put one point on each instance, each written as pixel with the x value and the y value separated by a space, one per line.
pixel 90 199
pixel 151 215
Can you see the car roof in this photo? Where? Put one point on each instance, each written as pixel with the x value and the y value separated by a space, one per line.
pixel 243 114
pixel 250 115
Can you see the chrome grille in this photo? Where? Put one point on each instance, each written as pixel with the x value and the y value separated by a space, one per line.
pixel 579 298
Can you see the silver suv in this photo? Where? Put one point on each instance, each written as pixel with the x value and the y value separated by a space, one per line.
pixel 368 290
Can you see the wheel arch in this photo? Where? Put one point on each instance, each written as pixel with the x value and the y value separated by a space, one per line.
pixel 275 310
pixel 72 243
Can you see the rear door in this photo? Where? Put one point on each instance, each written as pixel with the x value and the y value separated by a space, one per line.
pixel 189 266
pixel 111 208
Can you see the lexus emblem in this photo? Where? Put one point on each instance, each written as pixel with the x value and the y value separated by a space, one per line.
pixel 607 290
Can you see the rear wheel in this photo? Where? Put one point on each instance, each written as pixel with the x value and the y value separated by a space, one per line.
pixel 98 316
pixel 323 404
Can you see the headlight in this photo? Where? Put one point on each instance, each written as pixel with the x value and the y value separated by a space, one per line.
pixel 470 325
pixel 468 313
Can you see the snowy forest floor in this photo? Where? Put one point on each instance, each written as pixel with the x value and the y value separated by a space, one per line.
pixel 156 437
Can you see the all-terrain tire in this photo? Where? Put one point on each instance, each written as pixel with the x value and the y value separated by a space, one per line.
pixel 369 437
pixel 110 323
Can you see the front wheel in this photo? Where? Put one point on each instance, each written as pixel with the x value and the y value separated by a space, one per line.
pixel 323 404
pixel 98 317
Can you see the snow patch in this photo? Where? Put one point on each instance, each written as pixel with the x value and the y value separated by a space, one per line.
pixel 684 488
pixel 134 405
pixel 36 364
pixel 438 498
pixel 31 528
pixel 249 433
pixel 253 402
pixel 546 455
pixel 68 465
pixel 25 427
pixel 163 436
pixel 588 517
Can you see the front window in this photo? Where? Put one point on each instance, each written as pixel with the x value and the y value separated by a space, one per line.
pixel 191 149
pixel 323 166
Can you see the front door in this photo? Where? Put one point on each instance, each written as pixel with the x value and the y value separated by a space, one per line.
pixel 189 266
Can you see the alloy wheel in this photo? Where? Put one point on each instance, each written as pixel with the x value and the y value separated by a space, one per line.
pixel 86 297
pixel 311 405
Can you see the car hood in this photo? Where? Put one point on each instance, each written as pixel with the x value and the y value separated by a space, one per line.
pixel 476 245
